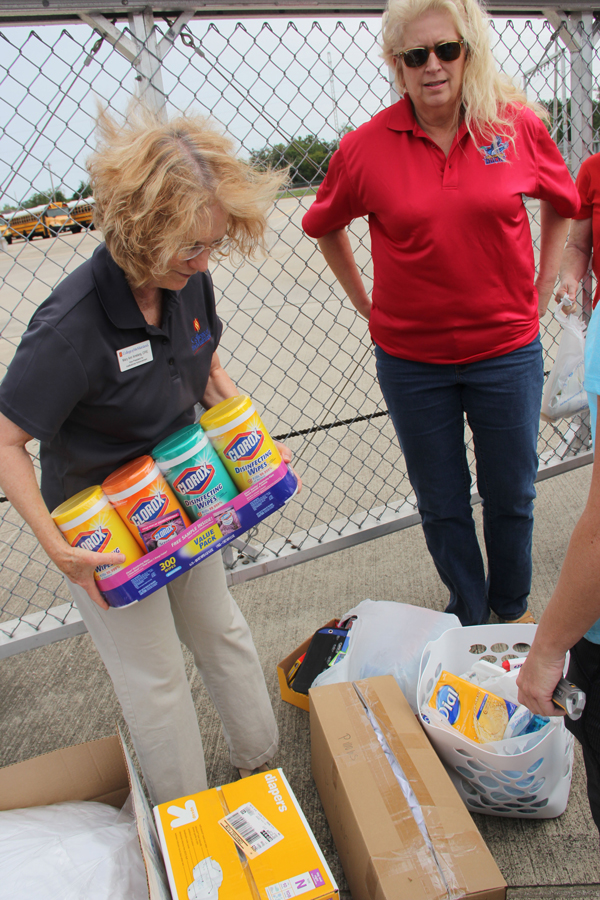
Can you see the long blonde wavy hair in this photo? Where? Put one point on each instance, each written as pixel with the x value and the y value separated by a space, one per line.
pixel 155 182
pixel 489 99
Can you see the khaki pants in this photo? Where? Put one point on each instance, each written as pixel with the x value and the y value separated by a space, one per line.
pixel 140 647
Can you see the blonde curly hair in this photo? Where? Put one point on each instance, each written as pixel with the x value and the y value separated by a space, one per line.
pixel 155 182
pixel 489 99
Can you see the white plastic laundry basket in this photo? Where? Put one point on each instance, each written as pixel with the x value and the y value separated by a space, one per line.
pixel 532 783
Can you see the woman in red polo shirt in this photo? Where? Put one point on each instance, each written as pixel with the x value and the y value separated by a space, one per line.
pixel 454 312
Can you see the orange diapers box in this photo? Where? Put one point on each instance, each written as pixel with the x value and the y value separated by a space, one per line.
pixel 242 841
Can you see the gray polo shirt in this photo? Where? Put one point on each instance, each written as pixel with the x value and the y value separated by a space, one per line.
pixel 65 385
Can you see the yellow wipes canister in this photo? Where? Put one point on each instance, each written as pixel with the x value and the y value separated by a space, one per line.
pixel 88 521
pixel 235 430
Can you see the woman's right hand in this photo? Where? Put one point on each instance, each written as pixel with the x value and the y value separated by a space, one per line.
pixel 79 566
pixel 17 477
pixel 337 251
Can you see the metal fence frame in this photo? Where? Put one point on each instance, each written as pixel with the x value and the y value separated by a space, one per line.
pixel 146 50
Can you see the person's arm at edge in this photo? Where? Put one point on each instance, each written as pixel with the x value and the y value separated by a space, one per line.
pixel 554 229
pixel 17 477
pixel 337 251
pixel 575 259
pixel 220 387
pixel 571 611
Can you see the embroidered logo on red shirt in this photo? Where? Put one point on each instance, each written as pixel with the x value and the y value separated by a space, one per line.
pixel 496 152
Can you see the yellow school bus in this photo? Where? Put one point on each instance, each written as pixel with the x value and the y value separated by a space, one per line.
pixel 57 218
pixel 46 221
pixel 82 212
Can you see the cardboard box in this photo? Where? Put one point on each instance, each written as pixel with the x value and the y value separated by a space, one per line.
pixel 99 770
pixel 382 850
pixel 102 770
pixel 287 693
pixel 199 540
pixel 280 858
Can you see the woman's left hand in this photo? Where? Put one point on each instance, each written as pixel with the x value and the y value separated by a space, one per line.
pixel 287 456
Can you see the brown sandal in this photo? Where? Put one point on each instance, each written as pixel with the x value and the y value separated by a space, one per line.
pixel 526 619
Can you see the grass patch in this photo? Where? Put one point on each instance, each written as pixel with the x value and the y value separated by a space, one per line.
pixel 307 191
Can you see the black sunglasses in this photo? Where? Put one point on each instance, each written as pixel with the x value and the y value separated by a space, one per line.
pixel 447 51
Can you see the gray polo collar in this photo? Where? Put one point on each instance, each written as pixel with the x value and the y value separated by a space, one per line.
pixel 116 296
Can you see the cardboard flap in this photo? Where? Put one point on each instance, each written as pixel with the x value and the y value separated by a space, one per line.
pixel 92 771
pixel 158 886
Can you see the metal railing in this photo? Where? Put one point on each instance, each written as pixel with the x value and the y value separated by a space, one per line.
pixel 284 88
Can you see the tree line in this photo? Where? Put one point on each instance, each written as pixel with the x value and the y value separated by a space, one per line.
pixel 43 197
pixel 307 157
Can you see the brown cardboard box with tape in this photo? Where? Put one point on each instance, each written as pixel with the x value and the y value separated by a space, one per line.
pixel 386 854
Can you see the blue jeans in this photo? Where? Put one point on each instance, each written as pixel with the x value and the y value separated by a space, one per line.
pixel 501 398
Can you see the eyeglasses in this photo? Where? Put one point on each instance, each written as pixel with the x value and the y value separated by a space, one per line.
pixel 447 51
pixel 221 244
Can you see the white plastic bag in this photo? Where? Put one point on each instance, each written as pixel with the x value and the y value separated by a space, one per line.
pixel 388 638
pixel 564 394
pixel 71 851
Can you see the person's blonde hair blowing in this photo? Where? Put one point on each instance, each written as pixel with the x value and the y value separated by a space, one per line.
pixel 488 98
pixel 154 184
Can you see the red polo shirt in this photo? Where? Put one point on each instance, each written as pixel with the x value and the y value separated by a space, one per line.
pixel 450 233
pixel 588 185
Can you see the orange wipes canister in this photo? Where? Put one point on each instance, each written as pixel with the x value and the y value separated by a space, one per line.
pixel 139 493
pixel 88 521
pixel 235 430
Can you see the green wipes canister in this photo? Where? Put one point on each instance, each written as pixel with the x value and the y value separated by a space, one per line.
pixel 194 471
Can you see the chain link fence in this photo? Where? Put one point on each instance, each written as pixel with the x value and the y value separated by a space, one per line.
pixel 285 90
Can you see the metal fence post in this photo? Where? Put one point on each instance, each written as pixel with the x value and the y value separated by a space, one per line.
pixel 148 61
pixel 581 91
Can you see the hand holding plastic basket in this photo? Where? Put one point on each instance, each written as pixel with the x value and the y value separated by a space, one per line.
pixel 528 777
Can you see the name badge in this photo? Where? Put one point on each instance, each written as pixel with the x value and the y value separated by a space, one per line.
pixel 136 355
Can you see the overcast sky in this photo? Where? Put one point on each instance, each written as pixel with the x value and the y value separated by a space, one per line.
pixel 265 81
